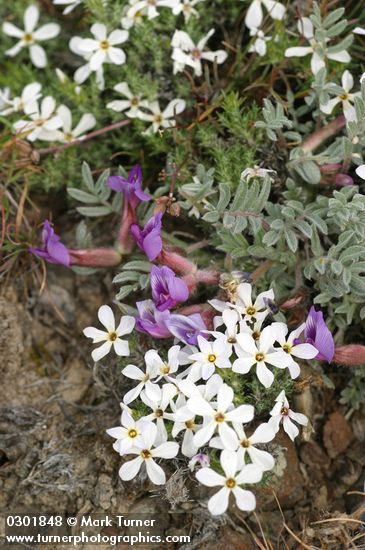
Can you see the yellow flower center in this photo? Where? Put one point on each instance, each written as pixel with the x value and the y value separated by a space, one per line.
pixel 231 340
pixel 259 356
pixel 196 53
pixel 112 336
pixel 132 433
pixel 146 454
pixel 212 358
pixel 245 443
pixel 68 136
pixel 343 97
pixel 158 413
pixel 158 119
pixel 287 348
pixel 231 483
pixel 165 369
pixel 28 38
pixel 104 44
pixel 256 335
pixel 134 101
pixel 284 411
pixel 219 418
pixel 189 424
pixel 251 310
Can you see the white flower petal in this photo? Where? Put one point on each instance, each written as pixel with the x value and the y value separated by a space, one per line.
pixel 130 469
pixel 101 351
pixel 106 317
pixel 46 32
pixel 31 16
pixel 38 56
pixel 245 500
pixel 218 503
pixel 155 472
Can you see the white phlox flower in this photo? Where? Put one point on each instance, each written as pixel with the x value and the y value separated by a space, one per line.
pixel 145 380
pixel 102 48
pixel 162 119
pixel 305 27
pixel 43 121
pixel 165 368
pixel 345 97
pixel 260 353
pixel 247 446
pixel 282 412
pixel 211 355
pixel 84 71
pixel 67 134
pixel 159 404
pixel 252 311
pixel 146 454
pixel 230 318
pixel 131 105
pixel 186 52
pixel 255 16
pixel 293 349
pixel 148 7
pixel 230 483
pixel 128 434
pixel 186 7
pixel 112 335
pixel 30 94
pixel 259 44
pixel 29 37
pixel 217 415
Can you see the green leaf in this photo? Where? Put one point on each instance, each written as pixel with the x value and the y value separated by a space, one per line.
pixel 126 276
pixel 138 265
pixel 82 196
pixel 94 211
pixel 87 177
pixel 291 239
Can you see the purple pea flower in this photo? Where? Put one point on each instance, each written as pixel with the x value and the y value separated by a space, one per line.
pixel 167 289
pixel 151 321
pixel 187 328
pixel 53 251
pixel 149 238
pixel 130 187
pixel 317 333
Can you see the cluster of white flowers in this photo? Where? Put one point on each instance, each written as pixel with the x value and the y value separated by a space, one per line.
pixel 43 119
pixel 187 397
pixel 137 10
pixel 254 19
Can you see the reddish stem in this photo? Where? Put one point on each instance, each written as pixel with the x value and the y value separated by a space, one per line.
pixel 319 137
pixel 98 257
pixel 126 242
pixel 352 355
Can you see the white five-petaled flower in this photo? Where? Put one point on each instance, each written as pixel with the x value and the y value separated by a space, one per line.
pixel 247 445
pixel 259 352
pixel 230 318
pixel 43 121
pixel 188 448
pixel 30 36
pixel 148 8
pixel 146 454
pixel 83 72
pixel 186 7
pixel 102 48
pixel 248 310
pixel 259 45
pixel 305 27
pixel 162 119
pixel 67 134
pixel 131 105
pixel 128 434
pixel 165 368
pixel 70 5
pixel 230 483
pixel 293 349
pixel 30 94
pixel 282 412
pixel 159 404
pixel 186 52
pixel 255 16
pixel 218 418
pixel 211 355
pixel 112 335
pixel 345 97
pixel 145 380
